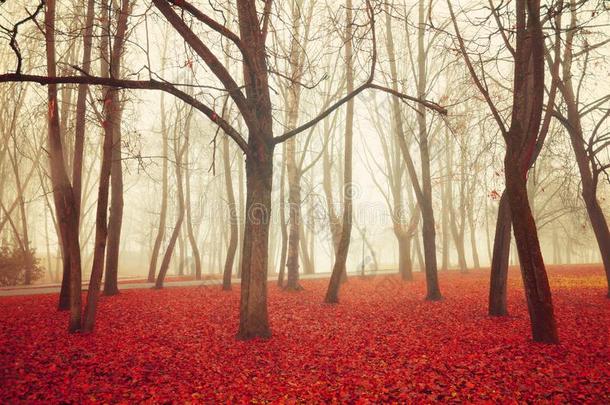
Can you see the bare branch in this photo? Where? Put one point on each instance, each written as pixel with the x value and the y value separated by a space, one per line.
pixel 134 84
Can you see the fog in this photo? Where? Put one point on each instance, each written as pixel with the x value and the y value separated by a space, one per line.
pixel 466 147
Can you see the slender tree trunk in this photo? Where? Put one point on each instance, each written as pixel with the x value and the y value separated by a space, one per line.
pixel 283 224
pixel 63 195
pixel 152 269
pixel 303 244
pixel 181 254
pixel 445 226
pixel 405 265
pixel 588 178
pixel 241 206
pixel 167 257
pixel 111 125
pixel 232 248
pixel 115 220
pixel 294 222
pixel 81 108
pixel 423 192
pixel 339 268
pixel 457 233
pixel 473 238
pixel 101 225
pixel 189 218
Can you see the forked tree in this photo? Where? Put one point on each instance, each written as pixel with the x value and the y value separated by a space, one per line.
pixel 523 137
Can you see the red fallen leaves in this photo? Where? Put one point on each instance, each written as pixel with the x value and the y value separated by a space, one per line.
pixel 381 343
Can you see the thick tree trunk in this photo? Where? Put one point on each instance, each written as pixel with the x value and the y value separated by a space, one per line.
pixel 253 316
pixel 536 284
pixel 254 320
pixel 499 261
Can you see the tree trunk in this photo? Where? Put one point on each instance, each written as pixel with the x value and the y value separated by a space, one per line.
pixel 339 268
pixel 499 261
pixel 189 218
pixel 254 320
pixel 537 290
pixel 294 221
pixel 241 206
pixel 473 238
pixel 232 248
pixel 63 195
pixel 405 265
pixel 306 255
pixel 81 108
pixel 283 225
pixel 589 180
pixel 433 292
pixel 167 257
pixel 101 225
pixel 445 226
pixel 600 229
pixel 115 220
pixel 152 268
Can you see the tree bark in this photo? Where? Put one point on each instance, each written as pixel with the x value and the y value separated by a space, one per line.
pixel 537 290
pixel 499 261
pixel 254 319
pixel 63 195
pixel 589 178
pixel 232 248
pixel 189 215
pixel 152 268
pixel 283 224
pixel 339 268
pixel 101 225
pixel 521 140
pixel 167 257
pixel 115 220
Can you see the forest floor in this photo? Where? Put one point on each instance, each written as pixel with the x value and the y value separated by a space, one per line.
pixel 382 342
